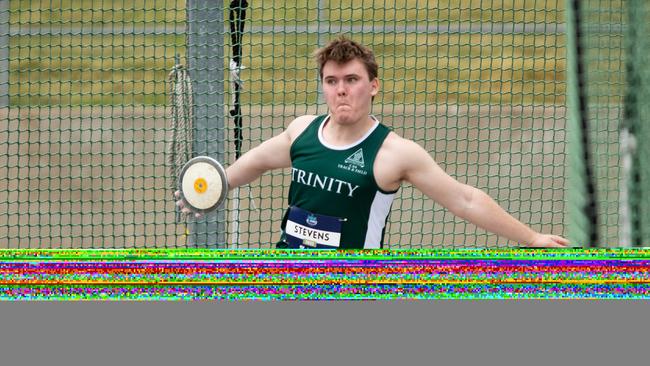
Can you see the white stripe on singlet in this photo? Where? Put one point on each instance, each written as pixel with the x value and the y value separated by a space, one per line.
pixel 377 221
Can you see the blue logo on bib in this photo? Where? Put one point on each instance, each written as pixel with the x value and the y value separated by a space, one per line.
pixel 311 220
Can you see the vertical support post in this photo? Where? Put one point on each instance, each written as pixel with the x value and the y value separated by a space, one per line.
pixel 577 224
pixel 628 197
pixel 583 222
pixel 642 8
pixel 4 54
pixel 323 30
pixel 634 197
pixel 205 51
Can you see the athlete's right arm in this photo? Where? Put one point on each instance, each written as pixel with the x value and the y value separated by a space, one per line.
pixel 273 153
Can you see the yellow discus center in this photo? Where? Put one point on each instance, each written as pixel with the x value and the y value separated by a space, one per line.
pixel 200 185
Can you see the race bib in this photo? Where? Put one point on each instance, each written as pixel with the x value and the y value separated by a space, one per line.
pixel 306 230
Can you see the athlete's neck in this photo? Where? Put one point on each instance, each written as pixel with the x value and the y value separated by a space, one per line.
pixel 341 134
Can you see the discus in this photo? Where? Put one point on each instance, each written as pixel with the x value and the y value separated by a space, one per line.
pixel 203 184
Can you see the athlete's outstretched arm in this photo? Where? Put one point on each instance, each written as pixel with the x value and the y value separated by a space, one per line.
pixel 467 202
pixel 273 153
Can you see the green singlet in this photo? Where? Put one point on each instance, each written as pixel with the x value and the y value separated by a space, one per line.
pixel 339 182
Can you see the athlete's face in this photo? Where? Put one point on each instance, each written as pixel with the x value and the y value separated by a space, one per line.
pixel 348 90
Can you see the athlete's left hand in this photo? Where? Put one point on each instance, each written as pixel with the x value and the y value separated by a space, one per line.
pixel 549 241
pixel 184 208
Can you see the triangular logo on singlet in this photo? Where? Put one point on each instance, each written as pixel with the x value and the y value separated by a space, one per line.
pixel 356 158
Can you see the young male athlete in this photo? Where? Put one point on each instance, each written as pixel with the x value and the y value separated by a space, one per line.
pixel 346 167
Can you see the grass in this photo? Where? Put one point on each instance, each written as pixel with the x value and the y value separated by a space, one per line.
pixel 409 11
pixel 280 12
pixel 83 12
pixel 91 69
pixel 125 69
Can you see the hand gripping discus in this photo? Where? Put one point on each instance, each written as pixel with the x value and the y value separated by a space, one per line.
pixel 203 184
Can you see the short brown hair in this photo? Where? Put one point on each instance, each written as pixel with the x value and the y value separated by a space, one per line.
pixel 342 50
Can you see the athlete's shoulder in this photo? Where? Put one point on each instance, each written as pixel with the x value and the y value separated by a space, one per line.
pixel 397 143
pixel 298 125
pixel 396 147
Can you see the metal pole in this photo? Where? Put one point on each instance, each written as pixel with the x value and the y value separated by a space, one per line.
pixel 205 64
pixel 323 30
pixel 4 54
pixel 583 227
pixel 626 214
pixel 631 195
pixel 237 19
